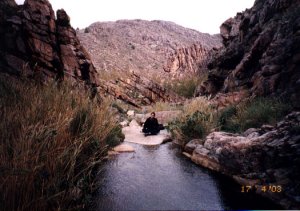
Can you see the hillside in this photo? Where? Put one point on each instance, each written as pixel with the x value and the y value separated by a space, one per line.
pixel 151 48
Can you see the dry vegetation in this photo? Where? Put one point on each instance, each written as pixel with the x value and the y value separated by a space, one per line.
pixel 52 139
pixel 185 86
pixel 196 120
pixel 199 117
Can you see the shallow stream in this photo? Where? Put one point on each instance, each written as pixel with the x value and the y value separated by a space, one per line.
pixel 160 178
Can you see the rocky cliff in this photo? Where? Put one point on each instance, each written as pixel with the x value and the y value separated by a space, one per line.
pixel 261 52
pixel 35 43
pixel 148 48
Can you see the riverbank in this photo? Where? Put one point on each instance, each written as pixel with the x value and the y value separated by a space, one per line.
pixel 263 160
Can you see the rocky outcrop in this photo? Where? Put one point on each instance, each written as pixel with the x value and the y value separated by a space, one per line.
pixel 186 60
pixel 157 49
pixel 136 90
pixel 223 100
pixel 264 157
pixel 34 43
pixel 261 52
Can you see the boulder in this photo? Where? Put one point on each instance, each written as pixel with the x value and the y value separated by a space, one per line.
pixel 134 123
pixel 191 145
pixel 124 123
pixel 264 156
pixel 130 113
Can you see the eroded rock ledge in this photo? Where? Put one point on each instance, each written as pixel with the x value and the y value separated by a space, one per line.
pixel 259 157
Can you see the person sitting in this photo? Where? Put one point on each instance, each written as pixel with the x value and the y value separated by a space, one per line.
pixel 151 126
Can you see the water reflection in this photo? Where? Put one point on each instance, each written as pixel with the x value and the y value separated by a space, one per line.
pixel 160 178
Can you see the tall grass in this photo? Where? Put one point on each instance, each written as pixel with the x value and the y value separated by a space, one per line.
pixel 199 117
pixel 52 139
pixel 253 114
pixel 186 86
pixel 196 120
pixel 165 106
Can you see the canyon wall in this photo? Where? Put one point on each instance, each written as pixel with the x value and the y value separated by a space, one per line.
pixel 36 44
pixel 261 53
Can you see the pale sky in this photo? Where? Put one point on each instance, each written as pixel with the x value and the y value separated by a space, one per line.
pixel 202 15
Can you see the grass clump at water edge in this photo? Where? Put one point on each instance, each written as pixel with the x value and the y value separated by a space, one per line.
pixel 196 121
pixel 199 117
pixel 51 142
pixel 252 114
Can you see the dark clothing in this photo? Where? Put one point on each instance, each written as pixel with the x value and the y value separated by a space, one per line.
pixel 151 126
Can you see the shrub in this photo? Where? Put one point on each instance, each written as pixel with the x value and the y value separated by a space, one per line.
pixel 253 114
pixel 196 121
pixel 224 119
pixel 51 141
pixel 115 136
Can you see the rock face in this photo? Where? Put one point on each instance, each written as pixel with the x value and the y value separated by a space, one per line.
pixel 261 52
pixel 149 48
pixel 260 157
pixel 34 43
pixel 186 60
pixel 136 90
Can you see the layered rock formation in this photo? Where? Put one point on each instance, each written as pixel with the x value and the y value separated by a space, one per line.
pixel 187 60
pixel 136 90
pixel 264 157
pixel 34 43
pixel 149 48
pixel 261 53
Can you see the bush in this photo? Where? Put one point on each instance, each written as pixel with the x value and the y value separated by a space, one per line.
pixel 196 121
pixel 115 137
pixel 225 117
pixel 51 141
pixel 253 114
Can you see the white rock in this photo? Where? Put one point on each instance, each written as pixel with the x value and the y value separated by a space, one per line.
pixel 130 113
pixel 124 123
pixel 187 154
pixel 124 148
pixel 134 123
